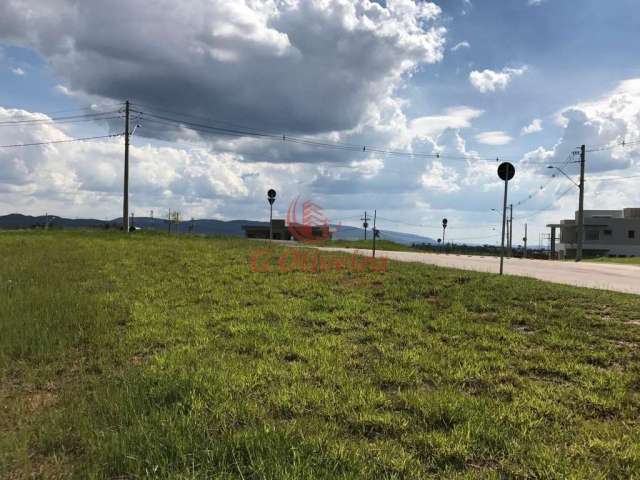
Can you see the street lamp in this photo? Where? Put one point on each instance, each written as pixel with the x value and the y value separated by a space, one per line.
pixel 580 229
pixel 563 172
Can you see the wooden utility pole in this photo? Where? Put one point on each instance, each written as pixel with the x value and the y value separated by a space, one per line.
pixel 125 203
pixel 365 224
pixel 581 206
pixel 524 254
pixel 510 229
pixel 375 233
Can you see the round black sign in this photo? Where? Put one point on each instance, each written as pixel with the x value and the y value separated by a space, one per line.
pixel 271 193
pixel 444 222
pixel 506 171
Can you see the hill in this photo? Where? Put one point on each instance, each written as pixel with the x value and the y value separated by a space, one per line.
pixel 201 226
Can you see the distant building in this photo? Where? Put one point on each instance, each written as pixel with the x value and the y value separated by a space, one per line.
pixel 282 232
pixel 606 232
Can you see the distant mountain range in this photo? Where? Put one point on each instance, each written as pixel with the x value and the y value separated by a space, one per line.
pixel 203 226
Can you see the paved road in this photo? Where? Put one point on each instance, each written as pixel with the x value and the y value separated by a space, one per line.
pixel 607 276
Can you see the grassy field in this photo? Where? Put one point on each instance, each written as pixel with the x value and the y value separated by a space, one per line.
pixel 622 260
pixel 368 245
pixel 165 357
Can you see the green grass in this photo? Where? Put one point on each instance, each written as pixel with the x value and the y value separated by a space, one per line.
pixel 166 357
pixel 368 245
pixel 622 260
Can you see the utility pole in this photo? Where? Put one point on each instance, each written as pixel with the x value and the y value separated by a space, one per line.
pixel 125 204
pixel 365 224
pixel 581 205
pixel 524 254
pixel 375 233
pixel 511 230
pixel 507 235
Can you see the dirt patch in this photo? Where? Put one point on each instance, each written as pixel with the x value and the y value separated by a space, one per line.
pixel 623 344
pixel 633 322
pixel 39 400
pixel 523 329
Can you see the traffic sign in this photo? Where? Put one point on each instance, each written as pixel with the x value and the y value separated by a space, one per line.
pixel 506 171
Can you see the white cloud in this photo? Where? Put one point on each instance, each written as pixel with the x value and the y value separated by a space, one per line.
pixel 85 178
pixel 496 137
pixel 458 46
pixel 66 91
pixel 601 125
pixel 18 71
pixel 440 178
pixel 271 63
pixel 534 127
pixel 490 81
pixel 434 125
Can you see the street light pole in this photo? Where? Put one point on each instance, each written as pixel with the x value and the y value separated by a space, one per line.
pixel 504 223
pixel 580 227
pixel 510 230
pixel 581 206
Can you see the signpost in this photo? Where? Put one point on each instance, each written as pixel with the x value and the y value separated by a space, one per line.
pixel 444 227
pixel 271 197
pixel 506 171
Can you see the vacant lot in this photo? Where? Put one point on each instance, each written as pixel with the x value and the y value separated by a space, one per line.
pixel 166 357
pixel 623 260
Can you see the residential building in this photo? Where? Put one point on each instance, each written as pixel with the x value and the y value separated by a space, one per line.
pixel 606 233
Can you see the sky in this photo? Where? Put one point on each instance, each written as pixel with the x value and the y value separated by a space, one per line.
pixel 317 93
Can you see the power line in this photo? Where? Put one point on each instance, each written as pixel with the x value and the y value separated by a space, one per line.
pixel 89 109
pixel 485 237
pixel 600 148
pixel 241 131
pixel 546 184
pixel 261 158
pixel 68 119
pixel 53 142
pixel 546 208
pixel 614 179
pixel 436 227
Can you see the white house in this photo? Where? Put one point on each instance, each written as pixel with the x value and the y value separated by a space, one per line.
pixel 606 232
